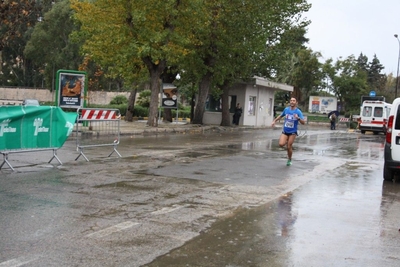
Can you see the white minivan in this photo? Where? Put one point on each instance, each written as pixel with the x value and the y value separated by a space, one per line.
pixel 374 116
pixel 392 143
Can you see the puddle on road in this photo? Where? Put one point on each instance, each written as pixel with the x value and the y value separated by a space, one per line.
pixel 349 207
pixel 163 148
pixel 249 238
pixel 127 186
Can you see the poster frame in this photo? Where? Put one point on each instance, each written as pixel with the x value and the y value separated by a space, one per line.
pixel 74 101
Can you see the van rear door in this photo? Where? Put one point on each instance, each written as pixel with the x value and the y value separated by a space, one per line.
pixel 395 146
pixel 373 116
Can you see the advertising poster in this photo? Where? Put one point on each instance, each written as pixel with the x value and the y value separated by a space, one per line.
pixel 170 96
pixel 322 104
pixel 315 106
pixel 71 89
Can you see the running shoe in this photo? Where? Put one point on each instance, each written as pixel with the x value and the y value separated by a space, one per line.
pixel 289 162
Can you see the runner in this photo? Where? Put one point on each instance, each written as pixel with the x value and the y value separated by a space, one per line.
pixel 292 116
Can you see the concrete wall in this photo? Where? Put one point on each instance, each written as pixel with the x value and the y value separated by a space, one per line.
pixel 44 95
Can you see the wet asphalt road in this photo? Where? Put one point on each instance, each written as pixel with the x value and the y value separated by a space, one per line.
pixel 212 199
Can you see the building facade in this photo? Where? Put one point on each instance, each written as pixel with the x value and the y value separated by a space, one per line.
pixel 256 99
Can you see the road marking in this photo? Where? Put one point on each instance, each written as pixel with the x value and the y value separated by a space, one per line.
pixel 166 210
pixel 17 262
pixel 113 229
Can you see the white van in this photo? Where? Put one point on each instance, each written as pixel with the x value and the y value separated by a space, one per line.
pixel 392 143
pixel 374 116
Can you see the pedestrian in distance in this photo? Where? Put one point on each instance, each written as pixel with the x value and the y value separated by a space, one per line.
pixel 332 118
pixel 237 114
pixel 292 116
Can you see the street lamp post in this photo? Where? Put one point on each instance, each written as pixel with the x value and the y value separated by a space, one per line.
pixel 398 62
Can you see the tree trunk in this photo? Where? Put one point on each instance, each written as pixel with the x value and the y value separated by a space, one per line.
pixel 155 71
pixel 226 116
pixel 131 105
pixel 154 98
pixel 167 115
pixel 296 94
pixel 204 87
pixel 192 105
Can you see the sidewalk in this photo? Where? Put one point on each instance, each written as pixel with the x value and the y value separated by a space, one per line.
pixel 140 128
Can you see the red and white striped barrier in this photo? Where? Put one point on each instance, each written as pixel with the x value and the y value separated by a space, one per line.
pixel 344 119
pixel 98 114
pixel 97 128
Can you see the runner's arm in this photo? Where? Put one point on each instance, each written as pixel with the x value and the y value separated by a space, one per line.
pixel 300 118
pixel 277 118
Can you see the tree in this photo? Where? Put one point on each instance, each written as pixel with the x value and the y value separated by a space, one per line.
pixel 348 81
pixel 50 45
pixel 235 42
pixel 128 37
pixel 303 71
pixel 376 80
pixel 17 19
pixel 213 41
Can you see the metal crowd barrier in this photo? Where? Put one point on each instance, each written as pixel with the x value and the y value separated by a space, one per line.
pixel 345 122
pixel 97 128
pixel 6 153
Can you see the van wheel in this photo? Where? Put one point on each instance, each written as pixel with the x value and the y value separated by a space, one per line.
pixel 387 173
pixel 362 131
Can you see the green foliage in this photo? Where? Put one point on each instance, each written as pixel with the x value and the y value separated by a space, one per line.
pixel 347 81
pixel 122 107
pixel 17 20
pixel 118 100
pixel 140 111
pixel 144 98
pixel 215 42
pixel 49 46
pixel 317 117
pixel 183 112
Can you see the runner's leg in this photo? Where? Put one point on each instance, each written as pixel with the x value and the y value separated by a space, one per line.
pixel 290 146
pixel 283 140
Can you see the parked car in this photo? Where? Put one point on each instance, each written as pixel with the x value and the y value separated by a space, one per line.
pixel 31 102
pixel 392 143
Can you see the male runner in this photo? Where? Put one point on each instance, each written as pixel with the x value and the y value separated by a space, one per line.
pixel 292 116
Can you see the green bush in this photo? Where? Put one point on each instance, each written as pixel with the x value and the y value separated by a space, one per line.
pixel 118 100
pixel 183 113
pixel 139 111
pixel 317 118
pixel 122 108
pixel 144 98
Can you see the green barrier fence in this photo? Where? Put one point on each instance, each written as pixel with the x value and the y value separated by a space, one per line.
pixel 31 128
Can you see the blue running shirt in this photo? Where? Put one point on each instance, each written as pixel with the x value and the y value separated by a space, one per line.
pixel 290 123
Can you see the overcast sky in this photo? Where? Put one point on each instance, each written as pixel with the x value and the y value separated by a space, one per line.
pixel 340 28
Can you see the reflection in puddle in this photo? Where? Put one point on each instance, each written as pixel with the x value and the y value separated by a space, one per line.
pixel 286 217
